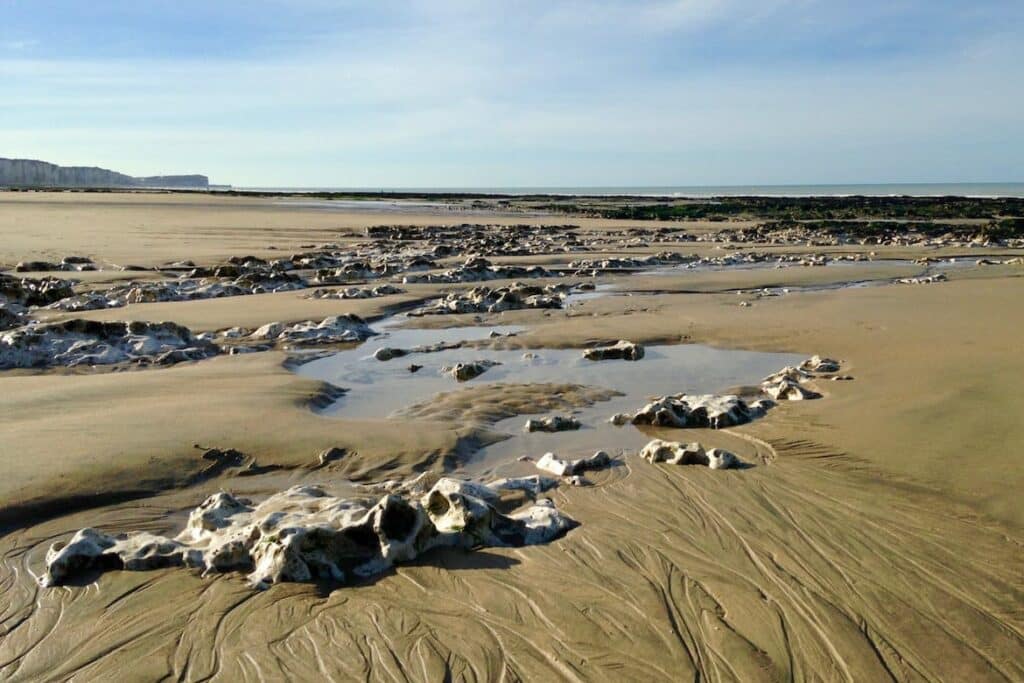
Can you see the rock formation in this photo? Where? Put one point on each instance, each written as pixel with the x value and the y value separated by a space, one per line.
pixel 710 411
pixel 675 453
pixel 73 343
pixel 621 350
pixel 303 534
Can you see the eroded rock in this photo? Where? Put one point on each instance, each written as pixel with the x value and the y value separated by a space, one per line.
pixel 478 269
pixel 332 330
pixel 675 453
pixel 77 342
pixel 789 390
pixel 554 423
pixel 487 300
pixel 356 292
pixel 304 534
pixel 28 291
pixel 621 350
pixel 708 410
pixel 466 371
pixel 560 467
pixel 923 279
pixel 819 364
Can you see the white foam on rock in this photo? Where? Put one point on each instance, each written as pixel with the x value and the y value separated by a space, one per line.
pixel 304 534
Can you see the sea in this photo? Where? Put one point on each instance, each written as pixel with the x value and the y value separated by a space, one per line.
pixel 696 191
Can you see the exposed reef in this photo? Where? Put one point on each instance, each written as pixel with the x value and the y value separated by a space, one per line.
pixel 554 423
pixel 495 300
pixel 331 330
pixel 73 343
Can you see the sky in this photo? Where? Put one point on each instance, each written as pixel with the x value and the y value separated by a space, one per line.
pixel 524 93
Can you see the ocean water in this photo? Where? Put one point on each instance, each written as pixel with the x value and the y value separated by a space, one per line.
pixel 683 191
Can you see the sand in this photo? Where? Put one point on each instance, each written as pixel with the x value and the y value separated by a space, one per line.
pixel 878 536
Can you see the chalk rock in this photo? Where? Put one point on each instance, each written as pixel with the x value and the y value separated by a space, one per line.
pixel 495 300
pixel 332 330
pixel 819 364
pixel 550 462
pixel 788 390
pixel 463 372
pixel 534 484
pixel 304 534
pixel 235 333
pixel 28 291
pixel 619 419
pixel 331 454
pixel 554 423
pixel 675 453
pixel 477 269
pixel 712 411
pixel 355 292
pixel 621 350
pixel 788 373
pixel 923 280
pixel 88 342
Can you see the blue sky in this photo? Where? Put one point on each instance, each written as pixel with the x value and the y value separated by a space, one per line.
pixel 529 93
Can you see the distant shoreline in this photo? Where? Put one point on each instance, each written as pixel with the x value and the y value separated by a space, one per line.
pixel 739 192
pixel 924 190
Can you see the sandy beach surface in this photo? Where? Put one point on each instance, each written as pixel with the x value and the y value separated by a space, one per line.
pixel 877 535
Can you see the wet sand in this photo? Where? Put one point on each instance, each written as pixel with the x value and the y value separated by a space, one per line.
pixel 878 537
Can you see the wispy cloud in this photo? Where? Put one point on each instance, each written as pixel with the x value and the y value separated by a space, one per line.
pixel 465 93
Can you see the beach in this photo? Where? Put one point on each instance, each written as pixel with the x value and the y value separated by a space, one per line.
pixel 875 532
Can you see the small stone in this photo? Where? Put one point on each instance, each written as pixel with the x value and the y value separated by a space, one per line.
pixel 331 454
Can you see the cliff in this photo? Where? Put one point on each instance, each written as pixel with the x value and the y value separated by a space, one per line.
pixel 31 173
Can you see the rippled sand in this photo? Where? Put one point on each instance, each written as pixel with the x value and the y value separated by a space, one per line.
pixel 877 537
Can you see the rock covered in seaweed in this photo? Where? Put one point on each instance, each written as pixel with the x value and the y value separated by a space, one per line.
pixel 554 423
pixel 26 291
pixel 495 300
pixel 675 453
pixel 78 342
pixel 923 279
pixel 464 372
pixel 303 534
pixel 478 269
pixel 11 315
pixel 72 263
pixel 621 350
pixel 240 283
pixel 355 292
